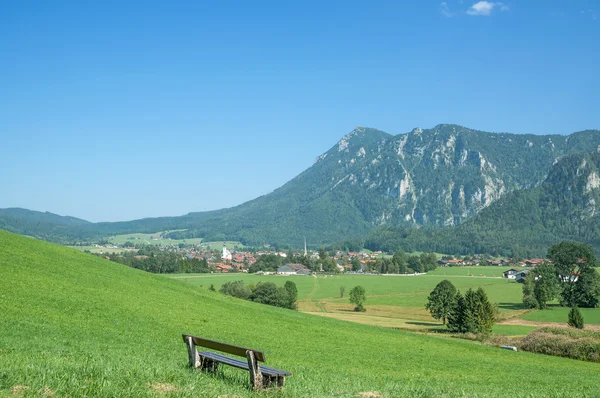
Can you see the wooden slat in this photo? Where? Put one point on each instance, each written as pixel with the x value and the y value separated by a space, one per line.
pixel 223 347
pixel 243 364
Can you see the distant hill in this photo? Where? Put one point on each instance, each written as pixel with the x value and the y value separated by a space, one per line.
pixel 425 179
pixel 42 217
pixel 566 206
pixel 45 225
pixel 78 325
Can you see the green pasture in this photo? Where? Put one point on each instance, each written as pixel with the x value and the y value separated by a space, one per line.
pixel 151 239
pixel 487 271
pixel 77 325
pixel 409 291
pixel 512 330
pixel 155 239
pixel 591 316
pixel 99 250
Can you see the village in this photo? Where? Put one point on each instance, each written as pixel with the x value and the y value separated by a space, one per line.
pixel 306 262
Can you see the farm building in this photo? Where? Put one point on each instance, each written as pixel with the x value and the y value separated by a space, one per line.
pixel 511 273
pixel 293 269
pixel 521 275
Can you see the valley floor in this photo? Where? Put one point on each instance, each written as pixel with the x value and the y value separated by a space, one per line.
pixel 399 301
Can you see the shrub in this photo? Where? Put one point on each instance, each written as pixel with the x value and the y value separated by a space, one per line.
pixel 562 342
pixel 575 318
pixel 236 289
pixel 269 293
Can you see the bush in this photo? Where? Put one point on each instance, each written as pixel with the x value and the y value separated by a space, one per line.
pixel 236 289
pixel 568 343
pixel 575 318
pixel 268 293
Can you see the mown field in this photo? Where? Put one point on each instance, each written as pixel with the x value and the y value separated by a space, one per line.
pixel 76 325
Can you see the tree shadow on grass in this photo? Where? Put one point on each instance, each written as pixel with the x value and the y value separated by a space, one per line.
pixel 512 306
pixel 424 324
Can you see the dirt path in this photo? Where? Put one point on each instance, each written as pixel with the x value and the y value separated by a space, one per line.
pixel 315 288
pixel 523 322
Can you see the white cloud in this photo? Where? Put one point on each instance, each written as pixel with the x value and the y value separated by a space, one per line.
pixel 485 8
pixel 445 10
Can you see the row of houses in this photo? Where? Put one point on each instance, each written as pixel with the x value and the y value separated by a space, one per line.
pixel 532 262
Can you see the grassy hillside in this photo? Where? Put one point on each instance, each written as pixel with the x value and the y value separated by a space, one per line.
pixel 76 325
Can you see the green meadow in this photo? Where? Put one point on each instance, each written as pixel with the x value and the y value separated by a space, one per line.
pixel 591 316
pixel 156 240
pixel 399 301
pixel 76 325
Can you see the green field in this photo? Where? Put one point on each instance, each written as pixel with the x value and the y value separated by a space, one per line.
pixel 591 316
pixel 77 325
pixel 486 271
pixel 99 250
pixel 155 239
pixel 410 291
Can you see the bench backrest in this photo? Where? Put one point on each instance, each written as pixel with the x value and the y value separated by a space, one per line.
pixel 224 347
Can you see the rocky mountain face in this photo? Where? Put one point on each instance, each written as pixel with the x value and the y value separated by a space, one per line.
pixel 565 206
pixel 441 176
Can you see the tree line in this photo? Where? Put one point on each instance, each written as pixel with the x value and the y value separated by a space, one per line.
pixel 570 276
pixel 159 262
pixel 264 293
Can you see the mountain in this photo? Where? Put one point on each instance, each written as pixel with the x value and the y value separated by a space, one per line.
pixel 425 179
pixel 432 178
pixel 566 206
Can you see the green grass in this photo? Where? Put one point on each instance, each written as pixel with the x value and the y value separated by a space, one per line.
pixel 513 330
pixel 411 291
pixel 487 271
pixel 97 250
pixel 591 316
pixel 156 240
pixel 78 325
pixel 150 239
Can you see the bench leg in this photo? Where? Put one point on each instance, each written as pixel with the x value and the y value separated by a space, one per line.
pixel 273 381
pixel 194 359
pixel 256 377
pixel 208 364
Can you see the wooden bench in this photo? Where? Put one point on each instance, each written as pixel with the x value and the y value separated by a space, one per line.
pixel 260 376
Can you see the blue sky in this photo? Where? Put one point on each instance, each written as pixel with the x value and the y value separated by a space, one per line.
pixel 113 111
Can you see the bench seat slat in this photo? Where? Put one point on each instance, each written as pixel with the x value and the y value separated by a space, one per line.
pixel 242 364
